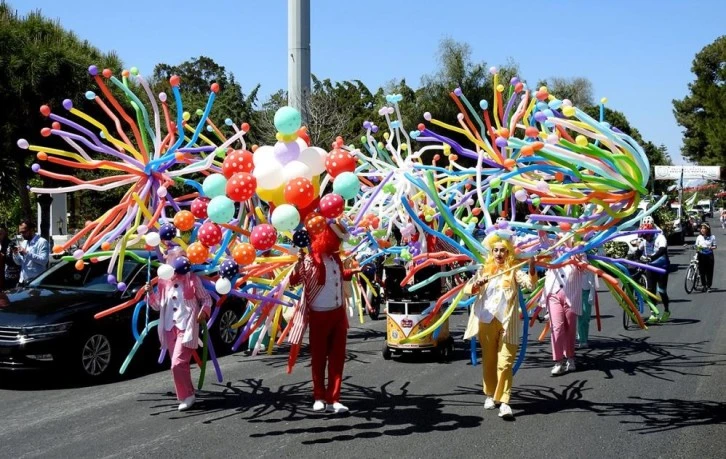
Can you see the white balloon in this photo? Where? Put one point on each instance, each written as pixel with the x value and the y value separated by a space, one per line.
pixel 223 286
pixel 314 158
pixel 295 169
pixel 301 143
pixel 263 154
pixel 152 239
pixel 165 271
pixel 269 175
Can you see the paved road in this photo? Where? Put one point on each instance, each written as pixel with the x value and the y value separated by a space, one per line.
pixel 654 393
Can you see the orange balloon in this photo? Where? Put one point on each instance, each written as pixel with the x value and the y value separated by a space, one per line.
pixel 314 223
pixel 80 265
pixel 509 163
pixel 197 252
pixel 184 220
pixel 106 246
pixel 57 249
pixel 244 253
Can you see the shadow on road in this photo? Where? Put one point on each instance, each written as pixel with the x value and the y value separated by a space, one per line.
pixel 635 355
pixel 375 411
pixel 645 415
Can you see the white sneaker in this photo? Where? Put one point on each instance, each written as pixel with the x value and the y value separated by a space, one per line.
pixel 489 404
pixel 558 369
pixel 319 405
pixel 187 403
pixel 505 411
pixel 570 366
pixel 337 408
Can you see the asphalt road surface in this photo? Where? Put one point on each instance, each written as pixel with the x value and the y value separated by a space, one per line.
pixel 659 392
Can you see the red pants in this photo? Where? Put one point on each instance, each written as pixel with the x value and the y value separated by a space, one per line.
pixel 328 333
pixel 180 357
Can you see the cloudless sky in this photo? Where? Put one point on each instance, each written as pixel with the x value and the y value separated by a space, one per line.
pixel 638 53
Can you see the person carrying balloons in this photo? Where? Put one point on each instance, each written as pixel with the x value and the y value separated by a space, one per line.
pixel 653 250
pixel 322 276
pixel 183 303
pixel 562 296
pixel 495 317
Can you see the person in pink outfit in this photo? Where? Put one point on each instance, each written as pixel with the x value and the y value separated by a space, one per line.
pixel 183 304
pixel 562 296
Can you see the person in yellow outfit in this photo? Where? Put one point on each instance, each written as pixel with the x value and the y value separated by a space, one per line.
pixel 495 318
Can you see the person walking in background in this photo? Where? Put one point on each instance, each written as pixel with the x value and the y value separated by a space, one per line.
pixel 705 245
pixel 31 254
pixel 589 290
pixel 723 218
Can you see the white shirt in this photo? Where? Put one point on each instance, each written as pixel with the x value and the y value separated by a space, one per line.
pixel 706 244
pixel 493 303
pixel 649 248
pixel 331 295
pixel 569 278
pixel 175 313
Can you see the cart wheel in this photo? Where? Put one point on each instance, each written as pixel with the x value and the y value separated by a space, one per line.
pixel 386 352
pixel 446 350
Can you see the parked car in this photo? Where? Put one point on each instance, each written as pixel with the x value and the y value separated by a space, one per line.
pixel 706 206
pixel 50 323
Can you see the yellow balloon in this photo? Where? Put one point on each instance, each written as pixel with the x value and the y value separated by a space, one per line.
pixel 274 196
pixel 500 88
pixel 568 111
pixel 581 140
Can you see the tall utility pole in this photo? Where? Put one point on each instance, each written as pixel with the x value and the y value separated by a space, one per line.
pixel 298 64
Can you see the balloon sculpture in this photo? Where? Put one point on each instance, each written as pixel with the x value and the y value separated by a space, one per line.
pixel 562 183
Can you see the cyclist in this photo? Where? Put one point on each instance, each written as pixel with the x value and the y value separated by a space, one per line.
pixel 705 244
pixel 653 250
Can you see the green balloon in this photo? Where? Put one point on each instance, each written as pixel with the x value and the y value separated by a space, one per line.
pixel 220 209
pixel 285 217
pixel 214 185
pixel 347 185
pixel 287 120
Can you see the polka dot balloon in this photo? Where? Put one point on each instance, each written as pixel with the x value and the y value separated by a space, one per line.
pixel 228 269
pixel 184 220
pixel 299 192
pixel 199 207
pixel 241 186
pixel 197 253
pixel 167 232
pixel 263 237
pixel 339 161
pixel 244 253
pixel 182 265
pixel 315 223
pixel 237 161
pixel 210 234
pixel 301 238
pixel 331 205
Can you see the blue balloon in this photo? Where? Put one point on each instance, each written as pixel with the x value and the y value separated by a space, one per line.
pixel 220 209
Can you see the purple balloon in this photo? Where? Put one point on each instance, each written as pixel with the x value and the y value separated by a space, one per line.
pixel 67 104
pixel 35 167
pixel 121 286
pixel 286 152
pixel 93 70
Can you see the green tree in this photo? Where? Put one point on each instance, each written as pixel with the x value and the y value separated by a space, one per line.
pixel 40 63
pixel 703 111
pixel 578 89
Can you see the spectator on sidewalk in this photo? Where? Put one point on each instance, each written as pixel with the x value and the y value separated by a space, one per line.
pixel 31 254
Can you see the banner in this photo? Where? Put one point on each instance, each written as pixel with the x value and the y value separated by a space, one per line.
pixel 689 172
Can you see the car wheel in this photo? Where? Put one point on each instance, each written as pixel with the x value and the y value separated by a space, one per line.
pixel 386 352
pixel 94 356
pixel 222 334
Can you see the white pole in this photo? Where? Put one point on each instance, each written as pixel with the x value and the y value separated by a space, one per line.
pixel 298 63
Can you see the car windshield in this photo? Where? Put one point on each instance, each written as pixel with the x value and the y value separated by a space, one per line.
pixel 93 276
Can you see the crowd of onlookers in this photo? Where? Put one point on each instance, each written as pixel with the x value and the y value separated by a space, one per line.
pixel 23 257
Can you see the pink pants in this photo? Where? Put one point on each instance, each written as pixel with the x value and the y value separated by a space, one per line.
pixel 180 357
pixel 563 321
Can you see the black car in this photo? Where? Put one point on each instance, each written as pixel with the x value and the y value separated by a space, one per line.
pixel 50 323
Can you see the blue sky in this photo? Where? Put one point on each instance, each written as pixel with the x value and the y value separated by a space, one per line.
pixel 638 54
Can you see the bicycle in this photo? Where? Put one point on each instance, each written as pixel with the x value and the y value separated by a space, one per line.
pixel 693 276
pixel 641 279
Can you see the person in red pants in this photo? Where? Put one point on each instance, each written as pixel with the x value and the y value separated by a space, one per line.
pixel 322 274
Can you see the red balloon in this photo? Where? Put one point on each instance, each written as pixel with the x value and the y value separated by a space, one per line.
pixel 199 207
pixel 339 161
pixel 237 161
pixel 331 205
pixel 299 192
pixel 263 237
pixel 210 234
pixel 241 186
pixel 305 211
